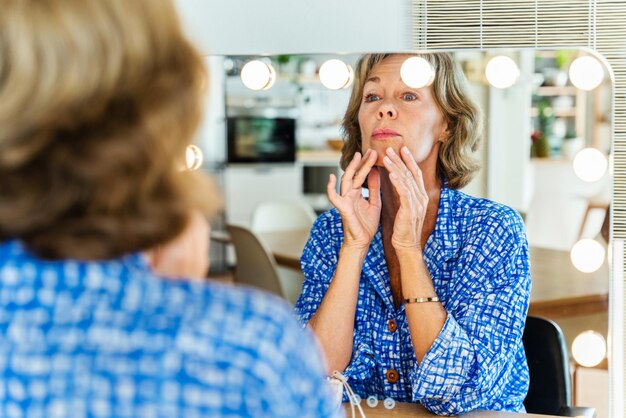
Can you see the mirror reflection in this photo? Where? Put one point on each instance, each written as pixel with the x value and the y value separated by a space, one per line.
pixel 545 152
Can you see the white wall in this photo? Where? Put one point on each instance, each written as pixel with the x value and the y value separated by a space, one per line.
pixel 508 155
pixel 241 27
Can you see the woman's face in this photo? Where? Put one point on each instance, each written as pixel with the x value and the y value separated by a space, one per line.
pixel 393 115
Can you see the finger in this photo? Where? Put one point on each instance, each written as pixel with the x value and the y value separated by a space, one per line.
pixel 373 184
pixel 348 175
pixel 398 164
pixel 402 189
pixel 401 178
pixel 331 190
pixel 393 167
pixel 416 172
pixel 366 166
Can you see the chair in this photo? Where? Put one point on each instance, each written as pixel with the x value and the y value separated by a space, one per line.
pixel 274 216
pixel 600 202
pixel 550 390
pixel 281 216
pixel 256 265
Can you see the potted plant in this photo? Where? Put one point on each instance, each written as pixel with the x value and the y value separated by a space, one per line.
pixel 540 137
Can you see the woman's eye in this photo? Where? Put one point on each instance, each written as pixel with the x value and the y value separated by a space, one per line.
pixel 409 96
pixel 371 98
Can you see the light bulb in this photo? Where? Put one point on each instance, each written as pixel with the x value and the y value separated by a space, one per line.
pixel 587 255
pixel 336 74
pixel 586 73
pixel 257 75
pixel 193 157
pixel 502 72
pixel 416 72
pixel 590 164
pixel 589 348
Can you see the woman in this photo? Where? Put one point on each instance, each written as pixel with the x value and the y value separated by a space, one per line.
pixel 98 100
pixel 420 292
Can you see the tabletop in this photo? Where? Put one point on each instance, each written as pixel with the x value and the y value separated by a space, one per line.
pixel 411 410
pixel 558 288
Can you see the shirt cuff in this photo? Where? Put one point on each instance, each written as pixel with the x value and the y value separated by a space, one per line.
pixel 444 369
pixel 362 365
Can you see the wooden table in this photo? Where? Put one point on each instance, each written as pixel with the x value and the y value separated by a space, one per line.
pixel 411 410
pixel 558 288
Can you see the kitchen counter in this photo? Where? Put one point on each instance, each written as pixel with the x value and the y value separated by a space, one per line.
pixel 319 157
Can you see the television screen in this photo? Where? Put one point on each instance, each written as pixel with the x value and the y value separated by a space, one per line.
pixel 258 139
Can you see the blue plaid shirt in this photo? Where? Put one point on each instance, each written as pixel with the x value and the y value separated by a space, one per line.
pixel 109 339
pixel 478 259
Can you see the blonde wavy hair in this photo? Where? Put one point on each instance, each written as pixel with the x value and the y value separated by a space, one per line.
pixel 98 101
pixel 456 162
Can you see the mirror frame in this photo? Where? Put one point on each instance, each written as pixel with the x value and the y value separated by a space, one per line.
pixel 428 25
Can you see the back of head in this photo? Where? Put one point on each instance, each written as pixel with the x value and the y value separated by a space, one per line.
pixel 98 100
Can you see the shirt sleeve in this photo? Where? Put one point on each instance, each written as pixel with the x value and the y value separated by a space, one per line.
pixel 470 361
pixel 318 262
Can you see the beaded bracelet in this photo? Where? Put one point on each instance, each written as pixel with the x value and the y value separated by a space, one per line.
pixel 421 300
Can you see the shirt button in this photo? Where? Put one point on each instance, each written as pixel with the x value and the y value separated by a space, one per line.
pixel 392 325
pixel 392 375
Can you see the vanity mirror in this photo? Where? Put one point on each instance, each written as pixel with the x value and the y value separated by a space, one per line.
pixel 279 28
pixel 544 188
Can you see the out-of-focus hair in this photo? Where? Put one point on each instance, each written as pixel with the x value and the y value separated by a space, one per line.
pixel 98 101
pixel 455 160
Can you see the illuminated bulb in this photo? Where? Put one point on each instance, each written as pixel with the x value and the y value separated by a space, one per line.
pixel 590 164
pixel 587 255
pixel 589 348
pixel 336 74
pixel 193 157
pixel 416 72
pixel 257 75
pixel 502 72
pixel 586 73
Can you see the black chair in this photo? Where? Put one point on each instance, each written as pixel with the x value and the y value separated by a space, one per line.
pixel 550 389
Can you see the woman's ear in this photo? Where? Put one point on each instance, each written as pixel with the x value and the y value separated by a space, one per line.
pixel 445 133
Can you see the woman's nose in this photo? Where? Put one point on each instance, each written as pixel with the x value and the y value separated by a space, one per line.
pixel 387 111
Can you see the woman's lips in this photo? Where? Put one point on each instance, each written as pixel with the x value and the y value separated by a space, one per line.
pixel 382 134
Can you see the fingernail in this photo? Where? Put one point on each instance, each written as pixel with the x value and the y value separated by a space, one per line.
pixel 405 150
pixel 387 160
pixel 390 151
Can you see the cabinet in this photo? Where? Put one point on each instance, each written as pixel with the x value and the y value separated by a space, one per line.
pixel 248 185
pixel 565 114
pixel 316 168
pixel 559 112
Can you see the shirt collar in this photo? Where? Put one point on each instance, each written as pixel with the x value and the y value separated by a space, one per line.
pixel 442 245
pixel 445 241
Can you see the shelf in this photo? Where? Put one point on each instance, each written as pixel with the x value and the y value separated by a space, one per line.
pixel 556 91
pixel 559 113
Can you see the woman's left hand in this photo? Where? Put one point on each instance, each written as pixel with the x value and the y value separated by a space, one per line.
pixel 408 182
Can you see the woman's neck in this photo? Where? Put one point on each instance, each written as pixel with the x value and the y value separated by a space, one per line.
pixel 390 205
pixel 391 200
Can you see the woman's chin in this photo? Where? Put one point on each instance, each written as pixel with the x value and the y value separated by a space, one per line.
pixel 381 149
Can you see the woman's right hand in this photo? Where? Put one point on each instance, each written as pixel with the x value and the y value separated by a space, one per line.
pixel 360 217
